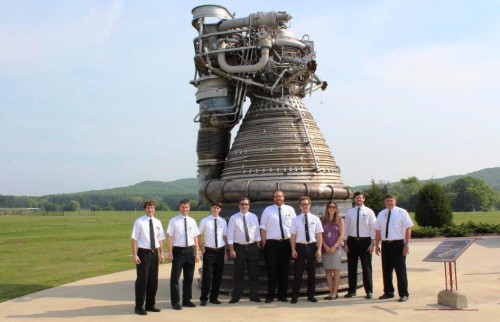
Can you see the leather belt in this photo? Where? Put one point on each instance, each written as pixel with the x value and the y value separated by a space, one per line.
pixel 244 245
pixel 212 249
pixel 359 238
pixel 306 245
pixel 393 241
pixel 147 250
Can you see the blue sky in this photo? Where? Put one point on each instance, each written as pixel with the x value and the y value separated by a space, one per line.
pixel 96 94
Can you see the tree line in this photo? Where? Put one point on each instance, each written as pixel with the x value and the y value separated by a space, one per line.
pixel 463 194
pixel 97 202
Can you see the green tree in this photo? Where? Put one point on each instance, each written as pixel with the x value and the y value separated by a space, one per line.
pixel 471 194
pixel 49 206
pixel 163 206
pixel 433 207
pixel 375 196
pixel 406 191
pixel 73 205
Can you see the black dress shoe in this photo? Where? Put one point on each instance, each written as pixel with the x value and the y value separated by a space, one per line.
pixel 176 306
pixel 255 299
pixel 403 298
pixel 232 301
pixel 215 302
pixel 386 296
pixel 203 303
pixel 268 300
pixel 336 297
pixel 312 299
pixel 294 300
pixel 152 309
pixel 140 312
pixel 283 299
pixel 188 304
pixel 348 295
pixel 328 298
pixel 368 296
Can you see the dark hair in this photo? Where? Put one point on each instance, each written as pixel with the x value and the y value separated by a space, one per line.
pixel 359 193
pixel 389 196
pixel 148 203
pixel 244 198
pixel 216 203
pixel 184 202
pixel 336 215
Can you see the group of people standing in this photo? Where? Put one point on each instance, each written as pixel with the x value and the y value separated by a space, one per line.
pixel 282 235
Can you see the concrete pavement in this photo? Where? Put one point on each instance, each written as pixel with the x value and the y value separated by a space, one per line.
pixel 111 297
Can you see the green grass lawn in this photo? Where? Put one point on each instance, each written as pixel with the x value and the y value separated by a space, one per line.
pixel 489 217
pixel 39 252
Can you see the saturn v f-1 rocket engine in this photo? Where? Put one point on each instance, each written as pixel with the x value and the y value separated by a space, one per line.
pixel 278 145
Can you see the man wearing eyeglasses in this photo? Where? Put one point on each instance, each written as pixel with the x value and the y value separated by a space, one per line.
pixel 359 225
pixel 243 237
pixel 306 238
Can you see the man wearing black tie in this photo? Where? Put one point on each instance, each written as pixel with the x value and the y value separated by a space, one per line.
pixel 393 227
pixel 147 245
pixel 360 239
pixel 306 239
pixel 275 234
pixel 214 230
pixel 183 251
pixel 243 237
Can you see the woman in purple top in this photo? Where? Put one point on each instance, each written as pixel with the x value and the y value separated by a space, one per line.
pixel 333 235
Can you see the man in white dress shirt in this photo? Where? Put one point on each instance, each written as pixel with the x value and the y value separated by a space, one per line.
pixel 306 238
pixel 275 225
pixel 393 227
pixel 214 230
pixel 184 252
pixel 147 245
pixel 359 244
pixel 243 237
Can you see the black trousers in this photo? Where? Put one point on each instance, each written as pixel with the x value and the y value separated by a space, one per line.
pixel 146 283
pixel 306 259
pixel 358 249
pixel 213 266
pixel 277 254
pixel 246 256
pixel 393 259
pixel 183 261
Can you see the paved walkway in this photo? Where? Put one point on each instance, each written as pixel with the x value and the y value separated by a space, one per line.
pixel 111 297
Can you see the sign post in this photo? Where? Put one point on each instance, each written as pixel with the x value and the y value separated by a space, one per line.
pixel 448 252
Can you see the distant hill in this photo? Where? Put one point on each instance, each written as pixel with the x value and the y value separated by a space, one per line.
pixel 490 175
pixel 169 193
pixel 187 186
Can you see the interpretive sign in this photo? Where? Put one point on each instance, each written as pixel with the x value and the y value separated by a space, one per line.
pixel 449 250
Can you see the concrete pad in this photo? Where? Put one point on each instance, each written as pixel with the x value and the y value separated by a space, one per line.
pixel 452 299
pixel 111 297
